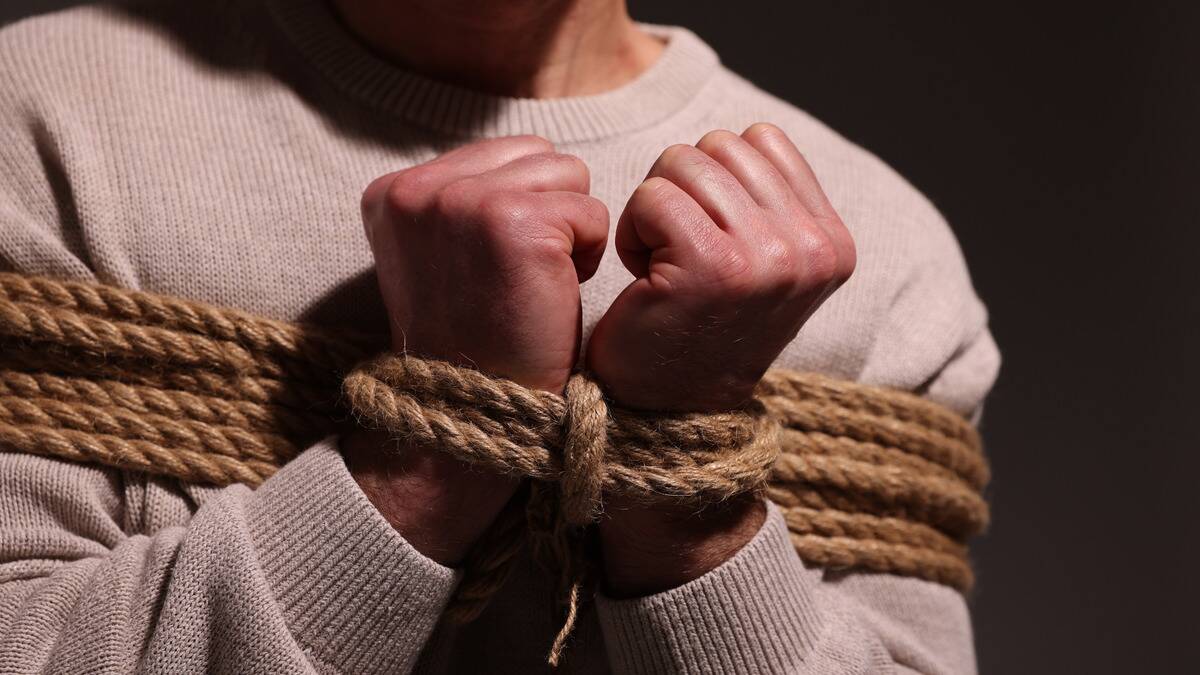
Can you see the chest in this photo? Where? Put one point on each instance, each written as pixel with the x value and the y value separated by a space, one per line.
pixel 253 202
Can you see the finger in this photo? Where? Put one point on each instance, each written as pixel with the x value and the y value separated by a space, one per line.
pixel 778 149
pixel 584 220
pixel 540 172
pixel 774 144
pixel 663 221
pixel 483 156
pixel 712 187
pixel 756 173
pixel 425 179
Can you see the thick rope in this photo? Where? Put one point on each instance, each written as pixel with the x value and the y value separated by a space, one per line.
pixel 672 456
pixel 868 478
pixel 577 443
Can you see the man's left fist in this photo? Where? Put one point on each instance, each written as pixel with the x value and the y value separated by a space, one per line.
pixel 734 245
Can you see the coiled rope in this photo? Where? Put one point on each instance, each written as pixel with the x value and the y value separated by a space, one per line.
pixel 868 478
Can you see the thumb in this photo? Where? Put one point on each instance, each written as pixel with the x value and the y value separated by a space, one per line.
pixel 585 221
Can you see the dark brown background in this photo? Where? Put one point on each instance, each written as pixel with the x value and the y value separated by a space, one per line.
pixel 1062 144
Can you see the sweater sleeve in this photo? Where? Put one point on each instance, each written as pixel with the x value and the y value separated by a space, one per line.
pixel 762 611
pixel 110 571
pixel 300 575
pixel 759 612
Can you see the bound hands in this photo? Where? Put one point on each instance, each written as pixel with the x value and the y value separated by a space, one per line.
pixel 479 255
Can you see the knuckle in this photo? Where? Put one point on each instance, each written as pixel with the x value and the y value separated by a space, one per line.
pixel 565 165
pixel 821 259
pixel 765 131
pixel 408 190
pixel 456 198
pixel 693 163
pixel 502 209
pixel 596 209
pixel 655 185
pixel 652 195
pixel 848 259
pixel 532 143
pixel 653 189
pixel 677 153
pixel 709 173
pixel 717 140
pixel 779 272
pixel 568 162
pixel 833 252
pixel 536 246
pixel 375 194
pixel 780 259
pixel 790 265
pixel 579 168
pixel 732 272
pixel 659 198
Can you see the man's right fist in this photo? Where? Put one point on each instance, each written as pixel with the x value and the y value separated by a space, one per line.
pixel 480 253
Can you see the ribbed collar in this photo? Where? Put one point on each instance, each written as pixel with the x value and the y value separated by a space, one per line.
pixel 666 87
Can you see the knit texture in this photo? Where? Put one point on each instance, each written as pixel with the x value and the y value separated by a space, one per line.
pixel 909 511
pixel 144 154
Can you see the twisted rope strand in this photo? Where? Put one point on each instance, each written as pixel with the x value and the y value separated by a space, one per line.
pixel 134 455
pixel 139 399
pixel 199 437
pixel 175 404
pixel 317 402
pixel 712 464
pixel 833 523
pixel 868 478
pixel 877 401
pixel 68 329
pixel 947 504
pixel 303 344
pixel 958 456
pixel 797 442
pixel 845 554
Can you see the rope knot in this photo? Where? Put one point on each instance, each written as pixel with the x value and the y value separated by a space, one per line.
pixel 573 446
pixel 869 478
pixel 583 450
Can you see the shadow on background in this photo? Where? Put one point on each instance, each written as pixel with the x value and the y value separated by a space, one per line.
pixel 1062 144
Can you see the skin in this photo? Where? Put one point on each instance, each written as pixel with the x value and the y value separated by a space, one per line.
pixel 481 251
pixel 525 48
pixel 733 245
pixel 479 255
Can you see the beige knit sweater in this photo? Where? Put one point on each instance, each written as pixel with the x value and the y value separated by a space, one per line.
pixel 217 151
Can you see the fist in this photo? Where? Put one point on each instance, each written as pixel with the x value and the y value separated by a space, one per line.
pixel 480 253
pixel 734 245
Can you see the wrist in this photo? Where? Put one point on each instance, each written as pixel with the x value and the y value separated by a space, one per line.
pixel 439 504
pixel 663 390
pixel 650 549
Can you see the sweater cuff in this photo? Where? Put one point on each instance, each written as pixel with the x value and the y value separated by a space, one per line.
pixel 354 593
pixel 754 613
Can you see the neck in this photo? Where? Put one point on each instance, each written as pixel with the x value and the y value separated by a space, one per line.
pixel 524 48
